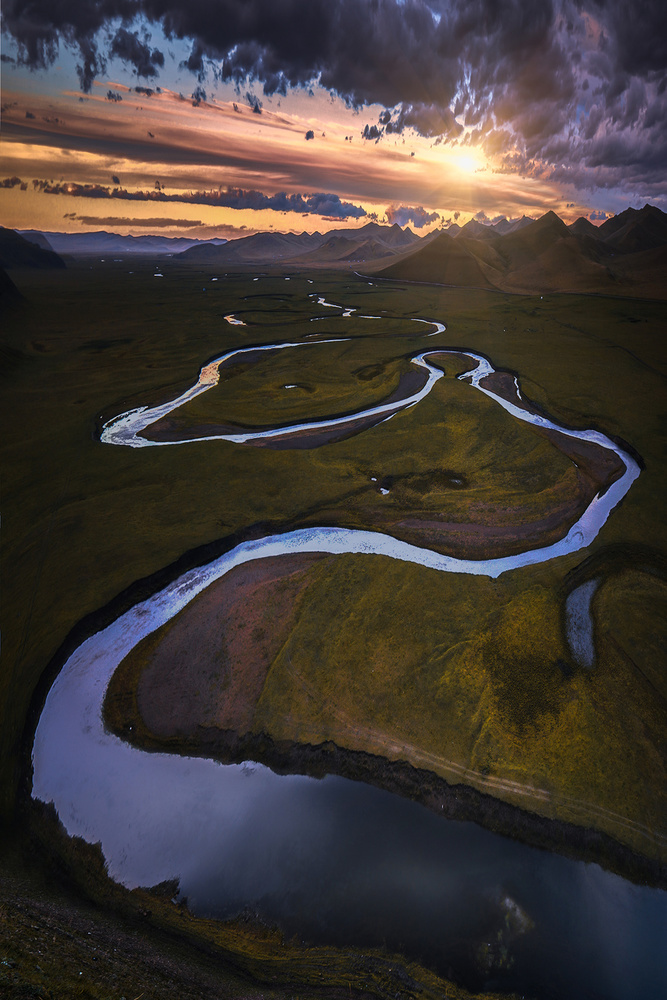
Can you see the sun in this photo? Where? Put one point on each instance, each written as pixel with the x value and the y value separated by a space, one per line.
pixel 467 163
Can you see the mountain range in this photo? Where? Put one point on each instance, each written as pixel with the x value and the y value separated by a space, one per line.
pixel 108 243
pixel 626 255
pixel 370 242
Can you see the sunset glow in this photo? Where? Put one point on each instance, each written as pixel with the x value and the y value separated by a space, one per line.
pixel 218 143
pixel 467 164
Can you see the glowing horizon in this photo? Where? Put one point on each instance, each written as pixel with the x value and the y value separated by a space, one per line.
pixel 192 147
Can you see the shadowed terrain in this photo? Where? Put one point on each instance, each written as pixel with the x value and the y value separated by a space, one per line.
pixel 627 255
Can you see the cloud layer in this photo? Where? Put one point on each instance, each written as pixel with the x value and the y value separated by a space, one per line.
pixel 574 91
pixel 403 215
pixel 122 222
pixel 327 206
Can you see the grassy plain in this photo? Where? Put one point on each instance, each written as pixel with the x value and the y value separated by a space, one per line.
pixel 106 516
pixel 385 657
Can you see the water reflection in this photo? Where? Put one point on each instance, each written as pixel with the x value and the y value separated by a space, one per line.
pixel 341 862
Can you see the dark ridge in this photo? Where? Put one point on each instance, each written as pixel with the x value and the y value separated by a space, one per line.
pixel 15 251
pixel 9 293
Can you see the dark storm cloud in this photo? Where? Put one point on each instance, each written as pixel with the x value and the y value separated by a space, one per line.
pixel 326 205
pixel 637 34
pixel 521 74
pixel 113 95
pixel 127 45
pixel 372 132
pixel 426 119
pixel 254 103
pixel 331 207
pixel 386 51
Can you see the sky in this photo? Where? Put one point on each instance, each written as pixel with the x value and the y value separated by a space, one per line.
pixel 224 117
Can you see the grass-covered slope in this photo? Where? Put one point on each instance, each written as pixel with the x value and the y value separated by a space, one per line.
pixel 443 260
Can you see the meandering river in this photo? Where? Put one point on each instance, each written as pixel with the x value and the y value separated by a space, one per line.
pixel 334 860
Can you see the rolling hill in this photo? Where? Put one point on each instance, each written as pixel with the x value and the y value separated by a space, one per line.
pixel 446 259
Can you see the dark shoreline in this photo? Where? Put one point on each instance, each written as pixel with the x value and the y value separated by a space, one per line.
pixel 455 802
pixel 250 951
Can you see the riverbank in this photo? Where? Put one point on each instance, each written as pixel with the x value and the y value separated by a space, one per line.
pixel 67 932
pixel 451 801
pixel 266 651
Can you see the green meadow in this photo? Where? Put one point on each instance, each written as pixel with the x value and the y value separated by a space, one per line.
pixel 452 668
pixel 448 672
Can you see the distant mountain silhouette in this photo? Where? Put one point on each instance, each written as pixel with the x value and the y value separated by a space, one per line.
pixel 34 236
pixel 343 248
pixel 369 242
pixel 102 242
pixel 513 227
pixel 626 255
pixel 477 231
pixel 486 231
pixel 258 248
pixel 531 240
pixel 390 236
pixel 15 251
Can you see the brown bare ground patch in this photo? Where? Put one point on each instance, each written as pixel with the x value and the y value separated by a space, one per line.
pixel 601 466
pixel 500 532
pixel 207 666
